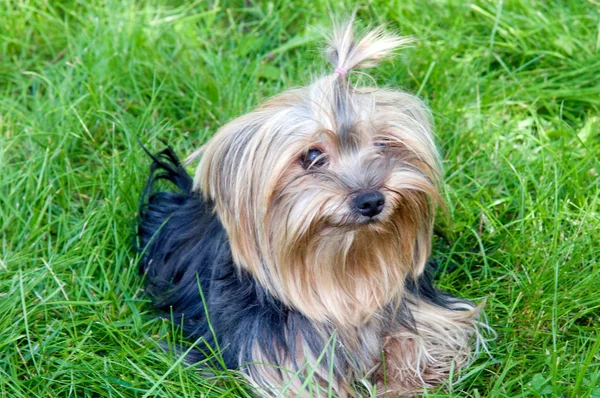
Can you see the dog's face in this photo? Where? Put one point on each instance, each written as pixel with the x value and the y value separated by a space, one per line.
pixel 327 193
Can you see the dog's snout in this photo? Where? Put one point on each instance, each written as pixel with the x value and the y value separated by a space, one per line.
pixel 369 203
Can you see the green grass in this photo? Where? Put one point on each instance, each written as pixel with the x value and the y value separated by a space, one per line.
pixel 515 90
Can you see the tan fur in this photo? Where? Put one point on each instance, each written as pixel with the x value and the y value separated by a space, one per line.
pixel 288 379
pixel 296 232
pixel 441 346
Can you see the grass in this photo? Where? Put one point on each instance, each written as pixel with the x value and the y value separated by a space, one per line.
pixel 515 90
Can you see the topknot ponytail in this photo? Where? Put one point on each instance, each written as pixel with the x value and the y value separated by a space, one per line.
pixel 346 53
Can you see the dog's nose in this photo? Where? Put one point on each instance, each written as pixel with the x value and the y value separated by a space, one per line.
pixel 369 203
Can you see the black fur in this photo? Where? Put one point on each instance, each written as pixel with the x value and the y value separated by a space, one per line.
pixel 187 258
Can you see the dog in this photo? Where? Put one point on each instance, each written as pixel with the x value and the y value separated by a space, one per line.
pixel 300 248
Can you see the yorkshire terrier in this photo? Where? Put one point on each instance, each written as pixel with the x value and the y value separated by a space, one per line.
pixel 299 250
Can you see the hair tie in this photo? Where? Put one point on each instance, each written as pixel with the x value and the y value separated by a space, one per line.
pixel 341 71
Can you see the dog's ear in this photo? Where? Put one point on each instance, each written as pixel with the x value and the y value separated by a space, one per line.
pixel 227 177
pixel 223 156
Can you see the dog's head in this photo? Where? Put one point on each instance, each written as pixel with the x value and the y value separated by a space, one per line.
pixel 328 191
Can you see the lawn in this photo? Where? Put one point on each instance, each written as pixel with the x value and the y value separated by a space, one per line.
pixel 515 91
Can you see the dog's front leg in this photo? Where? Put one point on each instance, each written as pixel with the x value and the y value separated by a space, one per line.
pixel 423 356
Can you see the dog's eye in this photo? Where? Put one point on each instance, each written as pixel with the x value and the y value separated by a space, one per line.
pixel 314 157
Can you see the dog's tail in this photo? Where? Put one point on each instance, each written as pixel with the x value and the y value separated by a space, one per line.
pixel 166 166
pixel 171 224
pixel 156 207
pixel 178 235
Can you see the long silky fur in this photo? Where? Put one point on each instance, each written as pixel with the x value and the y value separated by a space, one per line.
pixel 295 284
pixel 186 252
